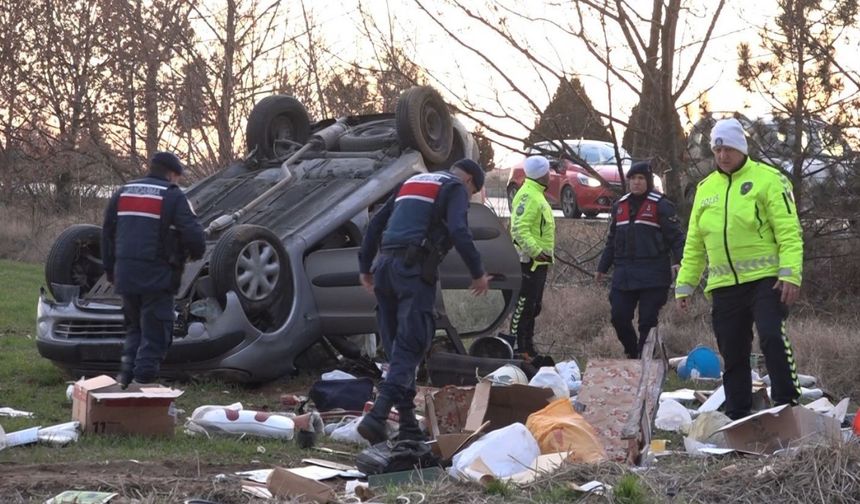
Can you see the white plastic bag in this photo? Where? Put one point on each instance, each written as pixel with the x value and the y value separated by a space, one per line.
pixel 237 421
pixel 337 374
pixel 347 432
pixel 505 452
pixel 548 377
pixel 673 416
pixel 569 371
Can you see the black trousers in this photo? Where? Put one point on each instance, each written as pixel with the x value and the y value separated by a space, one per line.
pixel 623 304
pixel 528 307
pixel 735 310
pixel 149 333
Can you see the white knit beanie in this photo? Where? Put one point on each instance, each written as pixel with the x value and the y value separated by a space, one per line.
pixel 729 133
pixel 536 167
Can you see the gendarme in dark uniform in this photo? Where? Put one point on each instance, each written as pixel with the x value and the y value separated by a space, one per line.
pixel 149 231
pixel 412 232
pixel 644 244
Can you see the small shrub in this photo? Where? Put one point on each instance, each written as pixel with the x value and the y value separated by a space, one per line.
pixel 630 490
pixel 500 487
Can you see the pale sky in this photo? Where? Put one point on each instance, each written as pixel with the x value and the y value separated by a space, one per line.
pixel 465 74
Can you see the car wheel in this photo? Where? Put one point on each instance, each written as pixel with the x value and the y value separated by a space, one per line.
pixel 252 262
pixel 75 258
pixel 512 191
pixel 568 204
pixel 276 119
pixel 424 123
pixel 368 137
pixel 591 215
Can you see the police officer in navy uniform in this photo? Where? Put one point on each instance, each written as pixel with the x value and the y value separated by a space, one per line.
pixel 149 231
pixel 645 244
pixel 412 233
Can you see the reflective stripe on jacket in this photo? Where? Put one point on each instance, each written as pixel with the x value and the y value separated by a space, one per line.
pixel 645 239
pixel 532 223
pixel 744 227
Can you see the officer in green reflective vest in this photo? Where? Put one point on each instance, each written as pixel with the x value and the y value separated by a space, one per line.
pixel 533 232
pixel 744 227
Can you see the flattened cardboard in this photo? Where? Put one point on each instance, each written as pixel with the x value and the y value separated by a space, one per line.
pixel 776 428
pixel 102 407
pixel 503 406
pixel 283 483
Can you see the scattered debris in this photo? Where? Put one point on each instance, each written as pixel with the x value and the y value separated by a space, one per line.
pixel 284 483
pixel 10 412
pixel 81 497
pixel 673 416
pixel 776 428
pixel 234 420
pixel 558 428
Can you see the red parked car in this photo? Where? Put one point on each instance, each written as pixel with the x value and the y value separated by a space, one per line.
pixel 571 188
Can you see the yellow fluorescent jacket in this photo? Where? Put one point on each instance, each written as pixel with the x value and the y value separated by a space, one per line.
pixel 744 227
pixel 532 223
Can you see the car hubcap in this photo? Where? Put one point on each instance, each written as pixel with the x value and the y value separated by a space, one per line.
pixel 282 129
pixel 432 123
pixel 257 270
pixel 567 202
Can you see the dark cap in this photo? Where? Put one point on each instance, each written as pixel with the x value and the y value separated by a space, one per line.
pixel 473 169
pixel 642 168
pixel 169 161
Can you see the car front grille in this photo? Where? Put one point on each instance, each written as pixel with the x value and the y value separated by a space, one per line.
pixel 89 329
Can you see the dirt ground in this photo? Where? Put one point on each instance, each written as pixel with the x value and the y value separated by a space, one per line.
pixel 144 482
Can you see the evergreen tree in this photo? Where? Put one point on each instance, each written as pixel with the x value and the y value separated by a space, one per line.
pixel 569 115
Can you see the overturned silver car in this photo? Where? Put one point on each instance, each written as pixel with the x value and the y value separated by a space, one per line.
pixel 280 272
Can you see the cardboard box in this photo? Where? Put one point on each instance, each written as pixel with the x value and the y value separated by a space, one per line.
pixel 503 406
pixel 102 407
pixel 285 484
pixel 776 428
pixel 490 408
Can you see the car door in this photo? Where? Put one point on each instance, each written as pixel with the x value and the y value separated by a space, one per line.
pixel 345 308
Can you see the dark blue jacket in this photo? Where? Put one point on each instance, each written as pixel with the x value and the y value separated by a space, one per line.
pixel 428 205
pixel 149 231
pixel 645 239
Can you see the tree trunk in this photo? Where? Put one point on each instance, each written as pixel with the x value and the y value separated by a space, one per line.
pixel 225 135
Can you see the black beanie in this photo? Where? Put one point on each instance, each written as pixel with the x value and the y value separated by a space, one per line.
pixel 642 168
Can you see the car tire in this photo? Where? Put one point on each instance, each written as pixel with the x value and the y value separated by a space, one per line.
pixel 75 258
pixel 274 118
pixel 252 262
pixel 424 124
pixel 512 191
pixel 569 207
pixel 367 137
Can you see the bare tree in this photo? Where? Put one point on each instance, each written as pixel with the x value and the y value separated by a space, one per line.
pixel 648 38
pixel 239 38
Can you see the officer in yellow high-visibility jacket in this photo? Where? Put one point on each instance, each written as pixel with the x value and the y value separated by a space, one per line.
pixel 744 227
pixel 533 232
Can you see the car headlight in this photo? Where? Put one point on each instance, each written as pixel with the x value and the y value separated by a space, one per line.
pixel 587 181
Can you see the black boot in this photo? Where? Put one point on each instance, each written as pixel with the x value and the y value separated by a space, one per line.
pixel 410 429
pixel 126 372
pixel 373 426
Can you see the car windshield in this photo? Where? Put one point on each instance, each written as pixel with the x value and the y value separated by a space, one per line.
pixel 594 153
